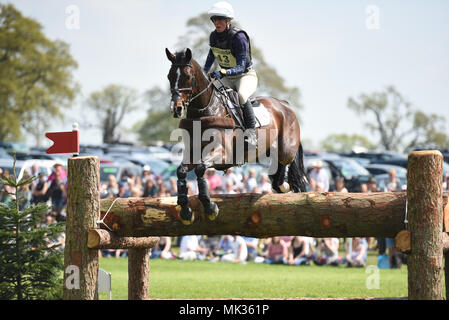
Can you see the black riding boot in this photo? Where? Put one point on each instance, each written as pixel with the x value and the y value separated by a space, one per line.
pixel 250 123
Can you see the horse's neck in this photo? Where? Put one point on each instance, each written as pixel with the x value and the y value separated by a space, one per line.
pixel 205 104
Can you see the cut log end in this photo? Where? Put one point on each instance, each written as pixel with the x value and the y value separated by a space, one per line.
pixel 403 241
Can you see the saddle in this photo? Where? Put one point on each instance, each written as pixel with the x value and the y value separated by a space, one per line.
pixel 234 120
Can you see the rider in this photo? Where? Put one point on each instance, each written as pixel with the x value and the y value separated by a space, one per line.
pixel 232 49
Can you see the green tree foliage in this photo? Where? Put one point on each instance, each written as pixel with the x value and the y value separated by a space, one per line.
pixel 31 263
pixel 159 123
pixel 111 104
pixel 399 126
pixel 36 81
pixel 345 142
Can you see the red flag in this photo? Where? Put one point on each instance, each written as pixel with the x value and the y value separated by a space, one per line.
pixel 64 142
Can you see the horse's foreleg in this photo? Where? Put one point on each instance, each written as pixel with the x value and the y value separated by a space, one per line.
pixel 278 178
pixel 186 214
pixel 210 208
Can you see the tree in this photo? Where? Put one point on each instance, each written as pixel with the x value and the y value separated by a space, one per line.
pixel 30 260
pixel 111 104
pixel 345 142
pixel 159 123
pixel 399 126
pixel 36 82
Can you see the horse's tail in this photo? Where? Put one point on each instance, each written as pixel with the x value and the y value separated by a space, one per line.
pixel 297 177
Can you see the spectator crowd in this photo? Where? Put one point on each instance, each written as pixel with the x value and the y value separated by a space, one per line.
pixel 288 250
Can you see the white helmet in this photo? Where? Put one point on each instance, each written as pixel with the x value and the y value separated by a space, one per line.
pixel 222 9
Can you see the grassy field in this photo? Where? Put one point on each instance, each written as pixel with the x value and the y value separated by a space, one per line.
pixel 175 279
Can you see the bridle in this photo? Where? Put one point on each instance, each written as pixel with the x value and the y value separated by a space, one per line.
pixel 176 92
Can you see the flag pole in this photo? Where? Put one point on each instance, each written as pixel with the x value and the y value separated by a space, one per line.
pixel 75 128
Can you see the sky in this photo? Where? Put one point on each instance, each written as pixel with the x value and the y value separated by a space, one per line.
pixel 331 50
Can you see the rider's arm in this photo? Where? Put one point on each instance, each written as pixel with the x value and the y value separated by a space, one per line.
pixel 209 61
pixel 240 47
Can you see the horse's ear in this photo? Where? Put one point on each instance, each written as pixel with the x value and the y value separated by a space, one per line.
pixel 188 55
pixel 170 56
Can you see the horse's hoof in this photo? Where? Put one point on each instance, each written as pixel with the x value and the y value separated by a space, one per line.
pixel 187 216
pixel 285 187
pixel 212 211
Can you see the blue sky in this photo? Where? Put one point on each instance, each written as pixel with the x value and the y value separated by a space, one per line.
pixel 323 47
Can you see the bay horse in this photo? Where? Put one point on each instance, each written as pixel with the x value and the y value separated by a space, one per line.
pixel 193 93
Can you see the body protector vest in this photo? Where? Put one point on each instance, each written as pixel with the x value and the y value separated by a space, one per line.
pixel 221 47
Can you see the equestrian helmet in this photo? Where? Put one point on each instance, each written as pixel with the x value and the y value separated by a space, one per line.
pixel 221 9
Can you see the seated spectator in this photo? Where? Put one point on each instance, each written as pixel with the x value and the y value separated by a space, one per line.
pixel 229 175
pixel 340 185
pixel 239 251
pixel 265 185
pixel 112 186
pixel 123 191
pixel 163 192
pixel 297 252
pixel 224 246
pixel 372 185
pixel 150 188
pixel 229 187
pixel 356 252
pixel 393 184
pixel 277 252
pixel 252 244
pixel 363 188
pixel 213 179
pixel 39 190
pixel 173 187
pixel 162 249
pixel 191 250
pixel 251 181
pixel 327 252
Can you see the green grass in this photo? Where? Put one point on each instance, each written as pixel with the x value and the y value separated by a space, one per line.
pixel 175 279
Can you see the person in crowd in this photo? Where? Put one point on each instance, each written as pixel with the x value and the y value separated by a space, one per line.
pixel 356 252
pixel 265 185
pixel 239 251
pixel 251 182
pixel 363 188
pixel 297 252
pixel 57 193
pixel 277 251
pixel 252 244
pixel 256 190
pixel 39 189
pixel 327 252
pixel 191 189
pixel 162 249
pixel 150 188
pixel 446 183
pixel 163 192
pixel 340 185
pixel 393 184
pixel 190 249
pixel 214 180
pixel 123 190
pixel 319 175
pixel 58 171
pixel 112 186
pixel 224 247
pixel 372 185
pixel 136 192
pixel 229 187
pixel 147 174
pixel 173 187
pixel 229 175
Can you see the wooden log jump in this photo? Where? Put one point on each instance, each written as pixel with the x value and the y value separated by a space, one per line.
pixel 136 221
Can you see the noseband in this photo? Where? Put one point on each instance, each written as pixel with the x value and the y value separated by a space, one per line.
pixel 176 92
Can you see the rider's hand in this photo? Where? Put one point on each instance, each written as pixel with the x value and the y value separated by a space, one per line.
pixel 216 75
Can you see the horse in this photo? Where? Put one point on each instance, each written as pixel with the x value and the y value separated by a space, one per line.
pixel 194 94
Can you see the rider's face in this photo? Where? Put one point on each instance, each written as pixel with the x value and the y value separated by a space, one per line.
pixel 220 24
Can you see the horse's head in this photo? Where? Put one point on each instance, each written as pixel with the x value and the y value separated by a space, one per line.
pixel 181 76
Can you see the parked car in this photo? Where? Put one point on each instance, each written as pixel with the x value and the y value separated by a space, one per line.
pixel 118 170
pixel 336 166
pixel 382 181
pixel 372 156
pixel 402 162
pixel 22 166
pixel 376 169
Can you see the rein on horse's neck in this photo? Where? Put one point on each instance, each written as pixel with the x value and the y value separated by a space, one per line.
pixel 201 83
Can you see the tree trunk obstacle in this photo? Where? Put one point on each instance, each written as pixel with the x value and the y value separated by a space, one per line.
pixel 136 223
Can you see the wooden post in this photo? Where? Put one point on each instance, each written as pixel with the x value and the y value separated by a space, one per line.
pixel 425 216
pixel 103 239
pixel 138 274
pixel 83 211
